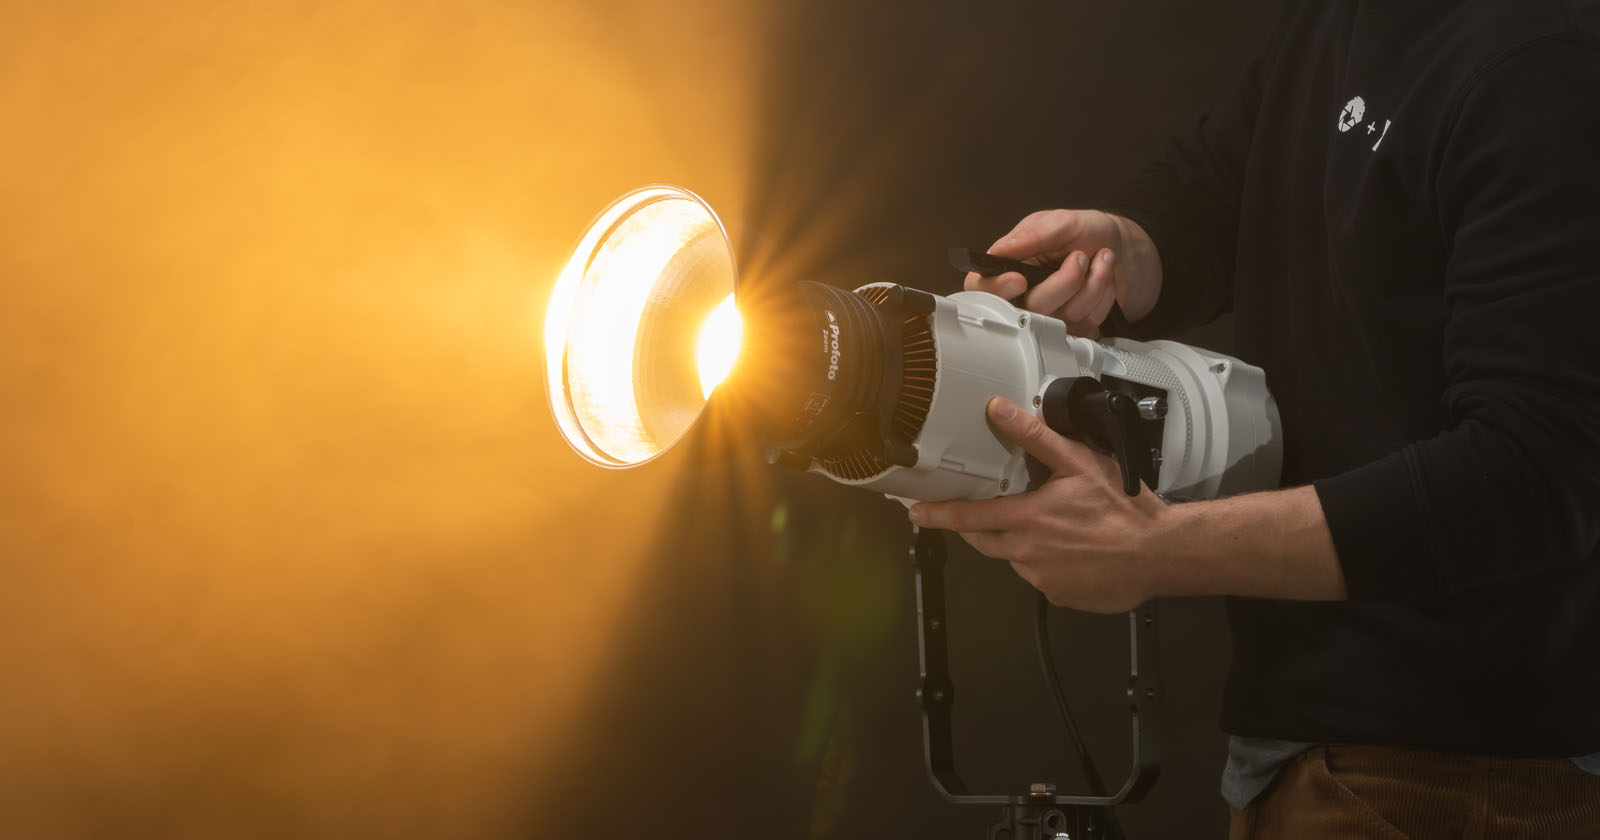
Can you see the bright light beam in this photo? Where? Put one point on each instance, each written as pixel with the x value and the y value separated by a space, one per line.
pixel 717 347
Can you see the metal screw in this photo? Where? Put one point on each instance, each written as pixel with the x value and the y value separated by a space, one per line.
pixel 1022 321
pixel 1038 401
pixel 934 624
pixel 1005 484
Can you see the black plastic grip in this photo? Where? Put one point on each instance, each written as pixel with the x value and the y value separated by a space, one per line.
pixel 989 265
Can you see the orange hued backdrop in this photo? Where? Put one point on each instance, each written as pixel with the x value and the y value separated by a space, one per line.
pixel 289 545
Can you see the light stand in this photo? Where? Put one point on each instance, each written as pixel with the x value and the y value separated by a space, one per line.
pixel 1041 813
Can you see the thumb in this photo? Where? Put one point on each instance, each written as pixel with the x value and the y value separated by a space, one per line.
pixel 1047 235
pixel 1037 439
pixel 1019 244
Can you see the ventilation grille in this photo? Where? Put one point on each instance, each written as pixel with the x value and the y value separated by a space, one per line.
pixel 857 466
pixel 919 370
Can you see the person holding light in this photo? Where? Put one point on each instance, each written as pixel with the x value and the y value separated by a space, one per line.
pixel 1400 205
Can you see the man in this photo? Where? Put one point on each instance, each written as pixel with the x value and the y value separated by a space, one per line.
pixel 1401 206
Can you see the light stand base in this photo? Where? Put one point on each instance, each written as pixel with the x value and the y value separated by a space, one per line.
pixel 1039 818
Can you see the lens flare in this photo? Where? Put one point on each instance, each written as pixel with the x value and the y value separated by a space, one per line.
pixel 718 346
pixel 636 336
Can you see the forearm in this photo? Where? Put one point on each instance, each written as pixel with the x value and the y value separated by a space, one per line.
pixel 1261 545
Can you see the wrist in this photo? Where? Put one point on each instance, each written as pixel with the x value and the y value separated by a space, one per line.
pixel 1261 545
pixel 1138 276
pixel 1184 555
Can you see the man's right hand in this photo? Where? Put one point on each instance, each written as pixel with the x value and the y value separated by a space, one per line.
pixel 1103 259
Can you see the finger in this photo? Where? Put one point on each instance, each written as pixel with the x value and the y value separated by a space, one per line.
pixel 1096 289
pixel 1090 327
pixel 1054 291
pixel 1007 285
pixel 1085 329
pixel 1040 441
pixel 964 516
pixel 1021 242
pixel 1046 235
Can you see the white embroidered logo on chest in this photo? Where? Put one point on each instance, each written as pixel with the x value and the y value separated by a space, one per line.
pixel 1353 113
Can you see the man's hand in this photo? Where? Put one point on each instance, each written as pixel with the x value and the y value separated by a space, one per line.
pixel 1078 539
pixel 1085 544
pixel 1104 259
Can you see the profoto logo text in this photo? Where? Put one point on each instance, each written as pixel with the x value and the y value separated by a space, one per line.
pixel 830 344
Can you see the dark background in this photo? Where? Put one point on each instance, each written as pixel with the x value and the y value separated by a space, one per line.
pixel 289 546
pixel 890 131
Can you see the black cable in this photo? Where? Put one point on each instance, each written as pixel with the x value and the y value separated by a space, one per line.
pixel 1041 638
pixel 1047 663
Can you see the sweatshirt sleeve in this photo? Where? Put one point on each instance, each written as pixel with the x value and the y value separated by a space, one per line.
pixel 1513 484
pixel 1188 202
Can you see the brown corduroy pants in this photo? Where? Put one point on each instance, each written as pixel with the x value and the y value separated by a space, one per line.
pixel 1392 793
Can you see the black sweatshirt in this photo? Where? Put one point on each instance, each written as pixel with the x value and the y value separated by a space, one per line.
pixel 1401 206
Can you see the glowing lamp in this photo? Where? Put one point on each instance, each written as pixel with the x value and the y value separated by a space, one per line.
pixel 641 326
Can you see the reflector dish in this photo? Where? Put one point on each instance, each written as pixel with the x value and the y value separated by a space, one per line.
pixel 625 323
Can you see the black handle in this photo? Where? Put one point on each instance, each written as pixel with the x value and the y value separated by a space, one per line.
pixel 989 265
pixel 1081 407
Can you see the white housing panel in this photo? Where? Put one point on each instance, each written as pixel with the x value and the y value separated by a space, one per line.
pixel 1221 433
